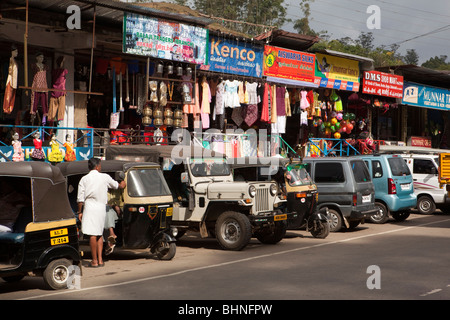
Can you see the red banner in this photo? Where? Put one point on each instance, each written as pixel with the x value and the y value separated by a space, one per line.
pixel 383 84
pixel 288 64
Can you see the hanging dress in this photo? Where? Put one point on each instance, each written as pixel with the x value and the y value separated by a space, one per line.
pixel 37 154
pixel 70 152
pixel 18 152
pixel 55 154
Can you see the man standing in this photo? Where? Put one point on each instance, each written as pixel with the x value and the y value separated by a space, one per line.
pixel 93 195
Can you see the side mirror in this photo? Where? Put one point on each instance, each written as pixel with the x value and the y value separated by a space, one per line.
pixel 119 176
pixel 184 177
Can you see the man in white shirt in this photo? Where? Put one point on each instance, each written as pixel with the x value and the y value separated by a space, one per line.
pixel 93 196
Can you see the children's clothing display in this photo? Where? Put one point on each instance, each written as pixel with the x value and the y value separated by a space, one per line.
pixel 37 154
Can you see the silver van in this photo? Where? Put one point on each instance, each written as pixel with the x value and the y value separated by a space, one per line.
pixel 345 188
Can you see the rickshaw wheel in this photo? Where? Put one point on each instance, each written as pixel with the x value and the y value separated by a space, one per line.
pixel 166 253
pixel 57 273
pixel 320 230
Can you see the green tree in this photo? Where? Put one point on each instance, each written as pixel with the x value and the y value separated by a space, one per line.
pixel 437 63
pixel 411 57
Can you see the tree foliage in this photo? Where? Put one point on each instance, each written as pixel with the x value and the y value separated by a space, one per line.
pixel 437 63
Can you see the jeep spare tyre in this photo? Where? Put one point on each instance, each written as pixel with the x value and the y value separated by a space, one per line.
pixel 233 230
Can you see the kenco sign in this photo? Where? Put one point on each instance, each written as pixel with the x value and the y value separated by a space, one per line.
pixel 234 57
pixel 383 84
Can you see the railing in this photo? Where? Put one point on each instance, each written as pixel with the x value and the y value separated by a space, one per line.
pixel 320 147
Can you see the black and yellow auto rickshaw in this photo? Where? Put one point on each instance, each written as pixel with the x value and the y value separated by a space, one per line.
pixel 38 231
pixel 295 185
pixel 146 204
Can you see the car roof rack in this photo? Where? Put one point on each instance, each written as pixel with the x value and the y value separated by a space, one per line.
pixel 410 150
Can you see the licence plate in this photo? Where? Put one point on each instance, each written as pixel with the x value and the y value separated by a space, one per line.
pixel 60 240
pixel 58 232
pixel 280 217
pixel 405 186
pixel 366 198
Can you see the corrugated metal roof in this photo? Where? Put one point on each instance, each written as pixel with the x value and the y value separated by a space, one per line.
pixel 419 74
pixel 111 10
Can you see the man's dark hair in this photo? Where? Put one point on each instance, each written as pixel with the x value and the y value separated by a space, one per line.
pixel 93 162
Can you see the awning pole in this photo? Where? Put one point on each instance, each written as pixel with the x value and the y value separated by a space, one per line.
pixel 25 46
pixel 92 51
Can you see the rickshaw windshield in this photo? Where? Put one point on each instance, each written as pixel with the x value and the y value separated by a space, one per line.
pixel 208 167
pixel 297 175
pixel 147 183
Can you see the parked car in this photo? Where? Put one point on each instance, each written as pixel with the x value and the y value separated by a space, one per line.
pixel 345 188
pixel 425 168
pixel 393 182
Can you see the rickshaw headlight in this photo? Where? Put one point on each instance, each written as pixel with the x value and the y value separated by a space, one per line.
pixel 273 189
pixel 174 231
pixel 252 191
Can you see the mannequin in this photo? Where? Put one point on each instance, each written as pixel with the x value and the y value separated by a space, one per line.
pixel 11 82
pixel 70 153
pixel 18 151
pixel 57 105
pixel 37 154
pixel 55 155
pixel 39 82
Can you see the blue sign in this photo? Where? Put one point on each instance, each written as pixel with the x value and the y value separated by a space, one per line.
pixel 419 95
pixel 81 153
pixel 233 57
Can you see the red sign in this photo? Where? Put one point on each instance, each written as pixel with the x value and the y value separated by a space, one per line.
pixel 420 142
pixel 288 64
pixel 383 84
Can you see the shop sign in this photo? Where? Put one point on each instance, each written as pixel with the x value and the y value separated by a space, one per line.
pixel 383 84
pixel 156 38
pixel 337 73
pixel 419 142
pixel 419 95
pixel 234 57
pixel 81 153
pixel 288 66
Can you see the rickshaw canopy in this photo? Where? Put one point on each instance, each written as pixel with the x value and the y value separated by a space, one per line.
pixel 48 189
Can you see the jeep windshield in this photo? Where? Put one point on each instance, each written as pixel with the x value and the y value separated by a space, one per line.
pixel 209 167
pixel 147 183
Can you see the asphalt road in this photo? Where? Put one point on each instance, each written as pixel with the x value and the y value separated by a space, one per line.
pixel 393 261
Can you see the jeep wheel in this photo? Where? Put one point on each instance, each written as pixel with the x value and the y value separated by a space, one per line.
pixel 335 220
pixel 233 230
pixel 426 205
pixel 382 216
pixel 268 236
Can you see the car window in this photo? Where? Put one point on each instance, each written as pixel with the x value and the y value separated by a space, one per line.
pixel 424 166
pixel 329 172
pixel 398 167
pixel 360 171
pixel 377 169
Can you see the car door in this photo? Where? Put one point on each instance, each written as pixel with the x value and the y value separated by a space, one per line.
pixel 425 174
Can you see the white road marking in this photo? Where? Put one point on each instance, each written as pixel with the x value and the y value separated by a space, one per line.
pixel 430 292
pixel 231 262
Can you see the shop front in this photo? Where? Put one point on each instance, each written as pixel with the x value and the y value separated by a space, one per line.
pixel 384 90
pixel 427 114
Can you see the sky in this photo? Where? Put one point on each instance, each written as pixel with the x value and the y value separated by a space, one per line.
pixel 400 20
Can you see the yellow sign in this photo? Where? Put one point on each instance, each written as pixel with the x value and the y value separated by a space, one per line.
pixel 60 240
pixel 280 217
pixel 58 232
pixel 336 72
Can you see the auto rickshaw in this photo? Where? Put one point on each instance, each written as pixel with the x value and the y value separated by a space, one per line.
pixel 295 185
pixel 38 230
pixel 146 204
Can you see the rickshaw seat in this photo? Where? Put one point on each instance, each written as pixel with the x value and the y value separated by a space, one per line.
pixel 18 234
pixel 11 237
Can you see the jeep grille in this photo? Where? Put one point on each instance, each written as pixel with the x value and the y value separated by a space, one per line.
pixel 262 200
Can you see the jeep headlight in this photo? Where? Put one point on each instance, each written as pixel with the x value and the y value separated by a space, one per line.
pixel 273 189
pixel 252 191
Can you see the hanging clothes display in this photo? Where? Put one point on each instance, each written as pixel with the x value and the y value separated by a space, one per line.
pixel 57 106
pixel 231 97
pixel 38 96
pixel 11 82
pixel 206 101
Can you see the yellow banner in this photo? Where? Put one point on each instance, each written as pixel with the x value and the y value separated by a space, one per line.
pixel 337 68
